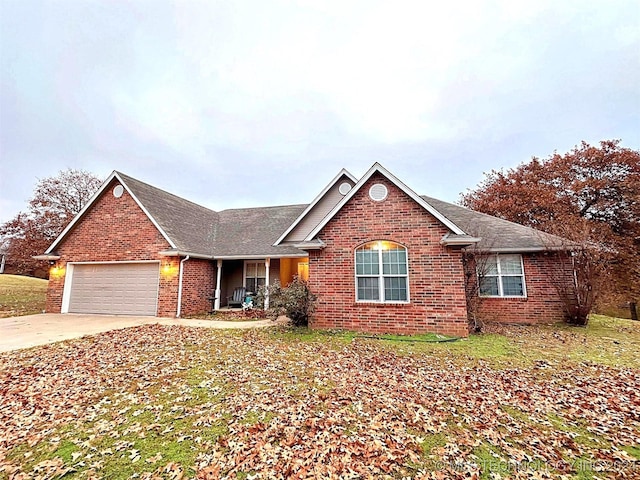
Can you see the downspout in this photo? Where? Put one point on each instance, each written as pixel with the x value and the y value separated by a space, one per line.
pixel 179 311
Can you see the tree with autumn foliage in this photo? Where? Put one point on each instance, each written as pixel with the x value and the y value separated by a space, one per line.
pixel 590 195
pixel 56 200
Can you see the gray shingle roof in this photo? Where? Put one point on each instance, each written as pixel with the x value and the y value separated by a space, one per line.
pixel 189 226
pixel 199 230
pixel 496 233
pixel 251 232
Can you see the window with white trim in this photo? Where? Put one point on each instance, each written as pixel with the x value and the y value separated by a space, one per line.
pixel 382 273
pixel 502 276
pixel 255 275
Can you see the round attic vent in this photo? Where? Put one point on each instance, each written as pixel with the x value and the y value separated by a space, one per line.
pixel 344 188
pixel 118 191
pixel 378 192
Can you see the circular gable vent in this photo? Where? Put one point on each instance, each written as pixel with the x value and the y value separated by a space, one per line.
pixel 378 192
pixel 344 188
pixel 118 191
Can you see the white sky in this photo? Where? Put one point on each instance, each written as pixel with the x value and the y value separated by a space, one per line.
pixel 251 103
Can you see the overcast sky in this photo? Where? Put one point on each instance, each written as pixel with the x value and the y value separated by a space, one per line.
pixel 252 103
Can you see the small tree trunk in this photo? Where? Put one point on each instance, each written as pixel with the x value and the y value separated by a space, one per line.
pixel 634 311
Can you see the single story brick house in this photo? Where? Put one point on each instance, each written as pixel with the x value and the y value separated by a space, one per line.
pixel 380 257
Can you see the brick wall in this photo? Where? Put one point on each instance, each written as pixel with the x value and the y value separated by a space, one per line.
pixel 437 299
pixel 198 284
pixel 116 229
pixel 542 304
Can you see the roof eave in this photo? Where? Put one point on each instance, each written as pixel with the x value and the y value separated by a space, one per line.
pixel 533 249
pixel 312 245
pixel 259 257
pixel 181 253
pixel 48 257
pixel 459 240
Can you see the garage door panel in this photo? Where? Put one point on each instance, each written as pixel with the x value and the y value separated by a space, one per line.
pixel 116 288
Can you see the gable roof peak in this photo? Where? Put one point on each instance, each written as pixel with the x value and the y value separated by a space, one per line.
pixel 341 174
pixel 378 168
pixel 185 225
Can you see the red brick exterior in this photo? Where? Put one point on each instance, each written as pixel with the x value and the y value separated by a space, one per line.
pixel 198 285
pixel 116 229
pixel 541 305
pixel 437 297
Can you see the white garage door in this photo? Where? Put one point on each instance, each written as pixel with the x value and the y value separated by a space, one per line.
pixel 115 288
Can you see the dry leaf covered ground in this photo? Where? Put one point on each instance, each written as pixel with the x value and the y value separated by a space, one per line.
pixel 175 402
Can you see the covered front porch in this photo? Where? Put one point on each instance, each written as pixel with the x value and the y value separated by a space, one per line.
pixel 253 273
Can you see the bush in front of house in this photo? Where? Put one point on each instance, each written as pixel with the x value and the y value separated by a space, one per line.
pixel 295 300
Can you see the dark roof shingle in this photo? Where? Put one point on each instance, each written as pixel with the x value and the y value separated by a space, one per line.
pixel 189 226
pixel 251 232
pixel 199 230
pixel 496 233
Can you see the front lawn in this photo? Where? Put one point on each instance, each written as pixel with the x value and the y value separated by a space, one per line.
pixel 175 402
pixel 21 295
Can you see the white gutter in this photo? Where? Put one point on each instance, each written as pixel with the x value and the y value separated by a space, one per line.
pixel 180 253
pixel 179 311
pixel 259 257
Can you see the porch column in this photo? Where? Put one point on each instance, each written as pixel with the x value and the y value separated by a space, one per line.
pixel 267 262
pixel 216 305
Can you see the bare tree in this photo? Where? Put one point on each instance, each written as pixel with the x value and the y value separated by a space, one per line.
pixel 56 200
pixel 476 265
pixel 577 274
pixel 578 270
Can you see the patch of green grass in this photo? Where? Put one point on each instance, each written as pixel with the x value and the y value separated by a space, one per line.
pixel 64 450
pixel 254 417
pixel 21 295
pixel 579 433
pixel 487 346
pixel 431 442
pixel 516 413
pixel 424 337
pixel 305 334
pixel 634 451
pixel 488 459
pixel 497 350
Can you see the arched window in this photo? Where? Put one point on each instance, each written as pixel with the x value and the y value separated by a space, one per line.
pixel 382 273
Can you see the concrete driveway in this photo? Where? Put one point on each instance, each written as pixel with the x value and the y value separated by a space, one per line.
pixel 33 330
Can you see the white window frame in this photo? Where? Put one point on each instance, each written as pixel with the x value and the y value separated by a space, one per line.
pixel 380 275
pixel 499 275
pixel 244 273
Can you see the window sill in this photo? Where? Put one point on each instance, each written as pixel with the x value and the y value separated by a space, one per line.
pixel 381 304
pixel 512 297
